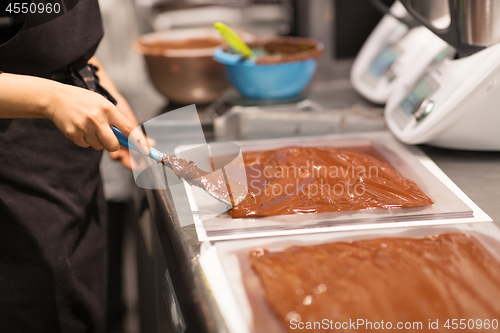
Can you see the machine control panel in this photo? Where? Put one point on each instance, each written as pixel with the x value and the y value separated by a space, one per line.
pixel 417 103
pixel 381 65
pixel 422 108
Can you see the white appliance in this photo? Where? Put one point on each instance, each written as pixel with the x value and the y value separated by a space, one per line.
pixel 456 103
pixel 393 52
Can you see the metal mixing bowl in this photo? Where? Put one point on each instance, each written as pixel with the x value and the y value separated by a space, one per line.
pixel 180 64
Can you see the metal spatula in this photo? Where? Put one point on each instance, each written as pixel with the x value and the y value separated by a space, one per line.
pixel 216 183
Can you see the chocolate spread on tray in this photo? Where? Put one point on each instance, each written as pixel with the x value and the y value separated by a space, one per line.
pixel 447 276
pixel 311 180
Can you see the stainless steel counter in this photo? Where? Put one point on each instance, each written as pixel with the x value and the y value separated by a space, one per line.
pixel 476 173
pixel 185 289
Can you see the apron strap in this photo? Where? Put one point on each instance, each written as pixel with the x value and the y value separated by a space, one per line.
pixel 83 75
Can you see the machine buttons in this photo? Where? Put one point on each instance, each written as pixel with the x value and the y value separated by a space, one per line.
pixel 422 108
pixel 393 71
pixel 491 85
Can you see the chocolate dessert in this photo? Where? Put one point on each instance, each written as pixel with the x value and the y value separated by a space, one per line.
pixel 295 180
pixel 410 280
pixel 158 46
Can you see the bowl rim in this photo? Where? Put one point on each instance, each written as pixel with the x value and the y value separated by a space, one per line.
pixel 139 44
pixel 315 52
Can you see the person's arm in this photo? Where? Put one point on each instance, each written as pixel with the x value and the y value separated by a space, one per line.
pixel 18 100
pixel 82 116
pixel 105 81
pixel 108 84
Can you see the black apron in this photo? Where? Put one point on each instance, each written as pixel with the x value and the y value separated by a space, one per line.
pixel 52 209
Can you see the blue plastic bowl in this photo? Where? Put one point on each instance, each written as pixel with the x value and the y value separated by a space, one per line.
pixel 266 81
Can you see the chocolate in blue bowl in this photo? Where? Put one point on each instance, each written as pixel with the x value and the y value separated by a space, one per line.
pixel 283 67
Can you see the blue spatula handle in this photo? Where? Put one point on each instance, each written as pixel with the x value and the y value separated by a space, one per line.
pixel 123 139
pixel 154 153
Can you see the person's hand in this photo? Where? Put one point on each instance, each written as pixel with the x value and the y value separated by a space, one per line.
pixel 122 155
pixel 85 118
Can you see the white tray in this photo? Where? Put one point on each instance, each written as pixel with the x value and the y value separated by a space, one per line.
pixel 451 205
pixel 222 263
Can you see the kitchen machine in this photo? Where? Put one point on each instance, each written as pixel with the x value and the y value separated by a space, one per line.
pixel 455 102
pixel 398 49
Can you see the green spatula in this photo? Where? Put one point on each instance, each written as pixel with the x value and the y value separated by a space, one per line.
pixel 233 40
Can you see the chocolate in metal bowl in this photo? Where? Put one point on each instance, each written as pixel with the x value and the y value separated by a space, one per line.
pixel 180 63
pixel 287 49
